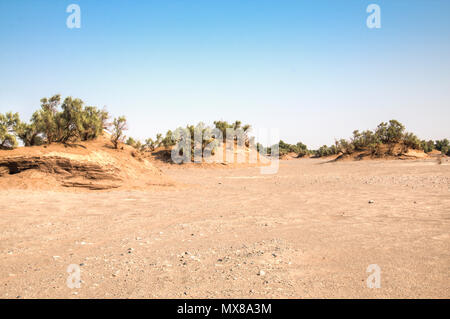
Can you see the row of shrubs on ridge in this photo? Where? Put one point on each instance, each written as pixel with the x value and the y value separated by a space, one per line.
pixel 70 120
pixel 388 134
pixel 208 134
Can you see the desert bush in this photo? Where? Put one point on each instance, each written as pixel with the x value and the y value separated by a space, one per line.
pixel 364 140
pixel 150 144
pixel 411 141
pixel 324 150
pixel 224 125
pixel 201 136
pixel 29 134
pixel 345 146
pixel 92 123
pixel 71 120
pixel 8 124
pixel 442 145
pixel 168 140
pixel 140 147
pixel 47 121
pixel 299 149
pixel 327 150
pixel 445 150
pixel 131 142
pixel 390 133
pixel 284 148
pixel 427 146
pixel 321 151
pixel 119 125
pixel 72 123
pixel 302 149
pixel 260 148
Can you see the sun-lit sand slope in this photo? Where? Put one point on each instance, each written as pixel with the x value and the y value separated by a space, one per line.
pixel 308 231
pixel 91 165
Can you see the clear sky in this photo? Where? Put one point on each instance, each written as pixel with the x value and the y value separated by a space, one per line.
pixel 310 68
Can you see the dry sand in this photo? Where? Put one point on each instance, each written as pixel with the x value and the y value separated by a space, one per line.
pixel 308 231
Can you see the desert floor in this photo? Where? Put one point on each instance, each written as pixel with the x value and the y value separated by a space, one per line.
pixel 308 231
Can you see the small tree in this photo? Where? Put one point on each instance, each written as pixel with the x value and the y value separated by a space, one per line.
pixel 390 133
pixel 149 144
pixel 411 141
pixel 346 147
pixel 442 145
pixel 47 118
pixel 8 123
pixel 119 125
pixel 168 140
pixel 28 134
pixel 92 122
pixel 301 149
pixel 224 125
pixel 427 146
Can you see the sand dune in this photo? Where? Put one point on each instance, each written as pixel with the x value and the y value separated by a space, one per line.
pixel 92 165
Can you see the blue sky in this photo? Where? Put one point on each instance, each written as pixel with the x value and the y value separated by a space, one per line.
pixel 310 68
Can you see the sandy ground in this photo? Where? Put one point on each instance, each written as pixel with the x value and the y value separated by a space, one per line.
pixel 308 231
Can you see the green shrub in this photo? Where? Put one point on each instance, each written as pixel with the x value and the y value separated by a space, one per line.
pixel 364 140
pixel 118 126
pixel 299 149
pixel 92 123
pixel 29 134
pixel 326 151
pixel 427 146
pixel 8 124
pixel 131 142
pixel 224 125
pixel 168 140
pixel 411 141
pixel 73 122
pixel 345 146
pixel 390 133
pixel 442 145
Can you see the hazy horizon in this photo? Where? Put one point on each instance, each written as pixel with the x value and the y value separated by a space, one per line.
pixel 311 69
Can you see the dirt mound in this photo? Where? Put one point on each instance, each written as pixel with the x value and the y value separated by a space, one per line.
pixel 92 165
pixel 395 151
pixel 291 156
pixel 224 155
